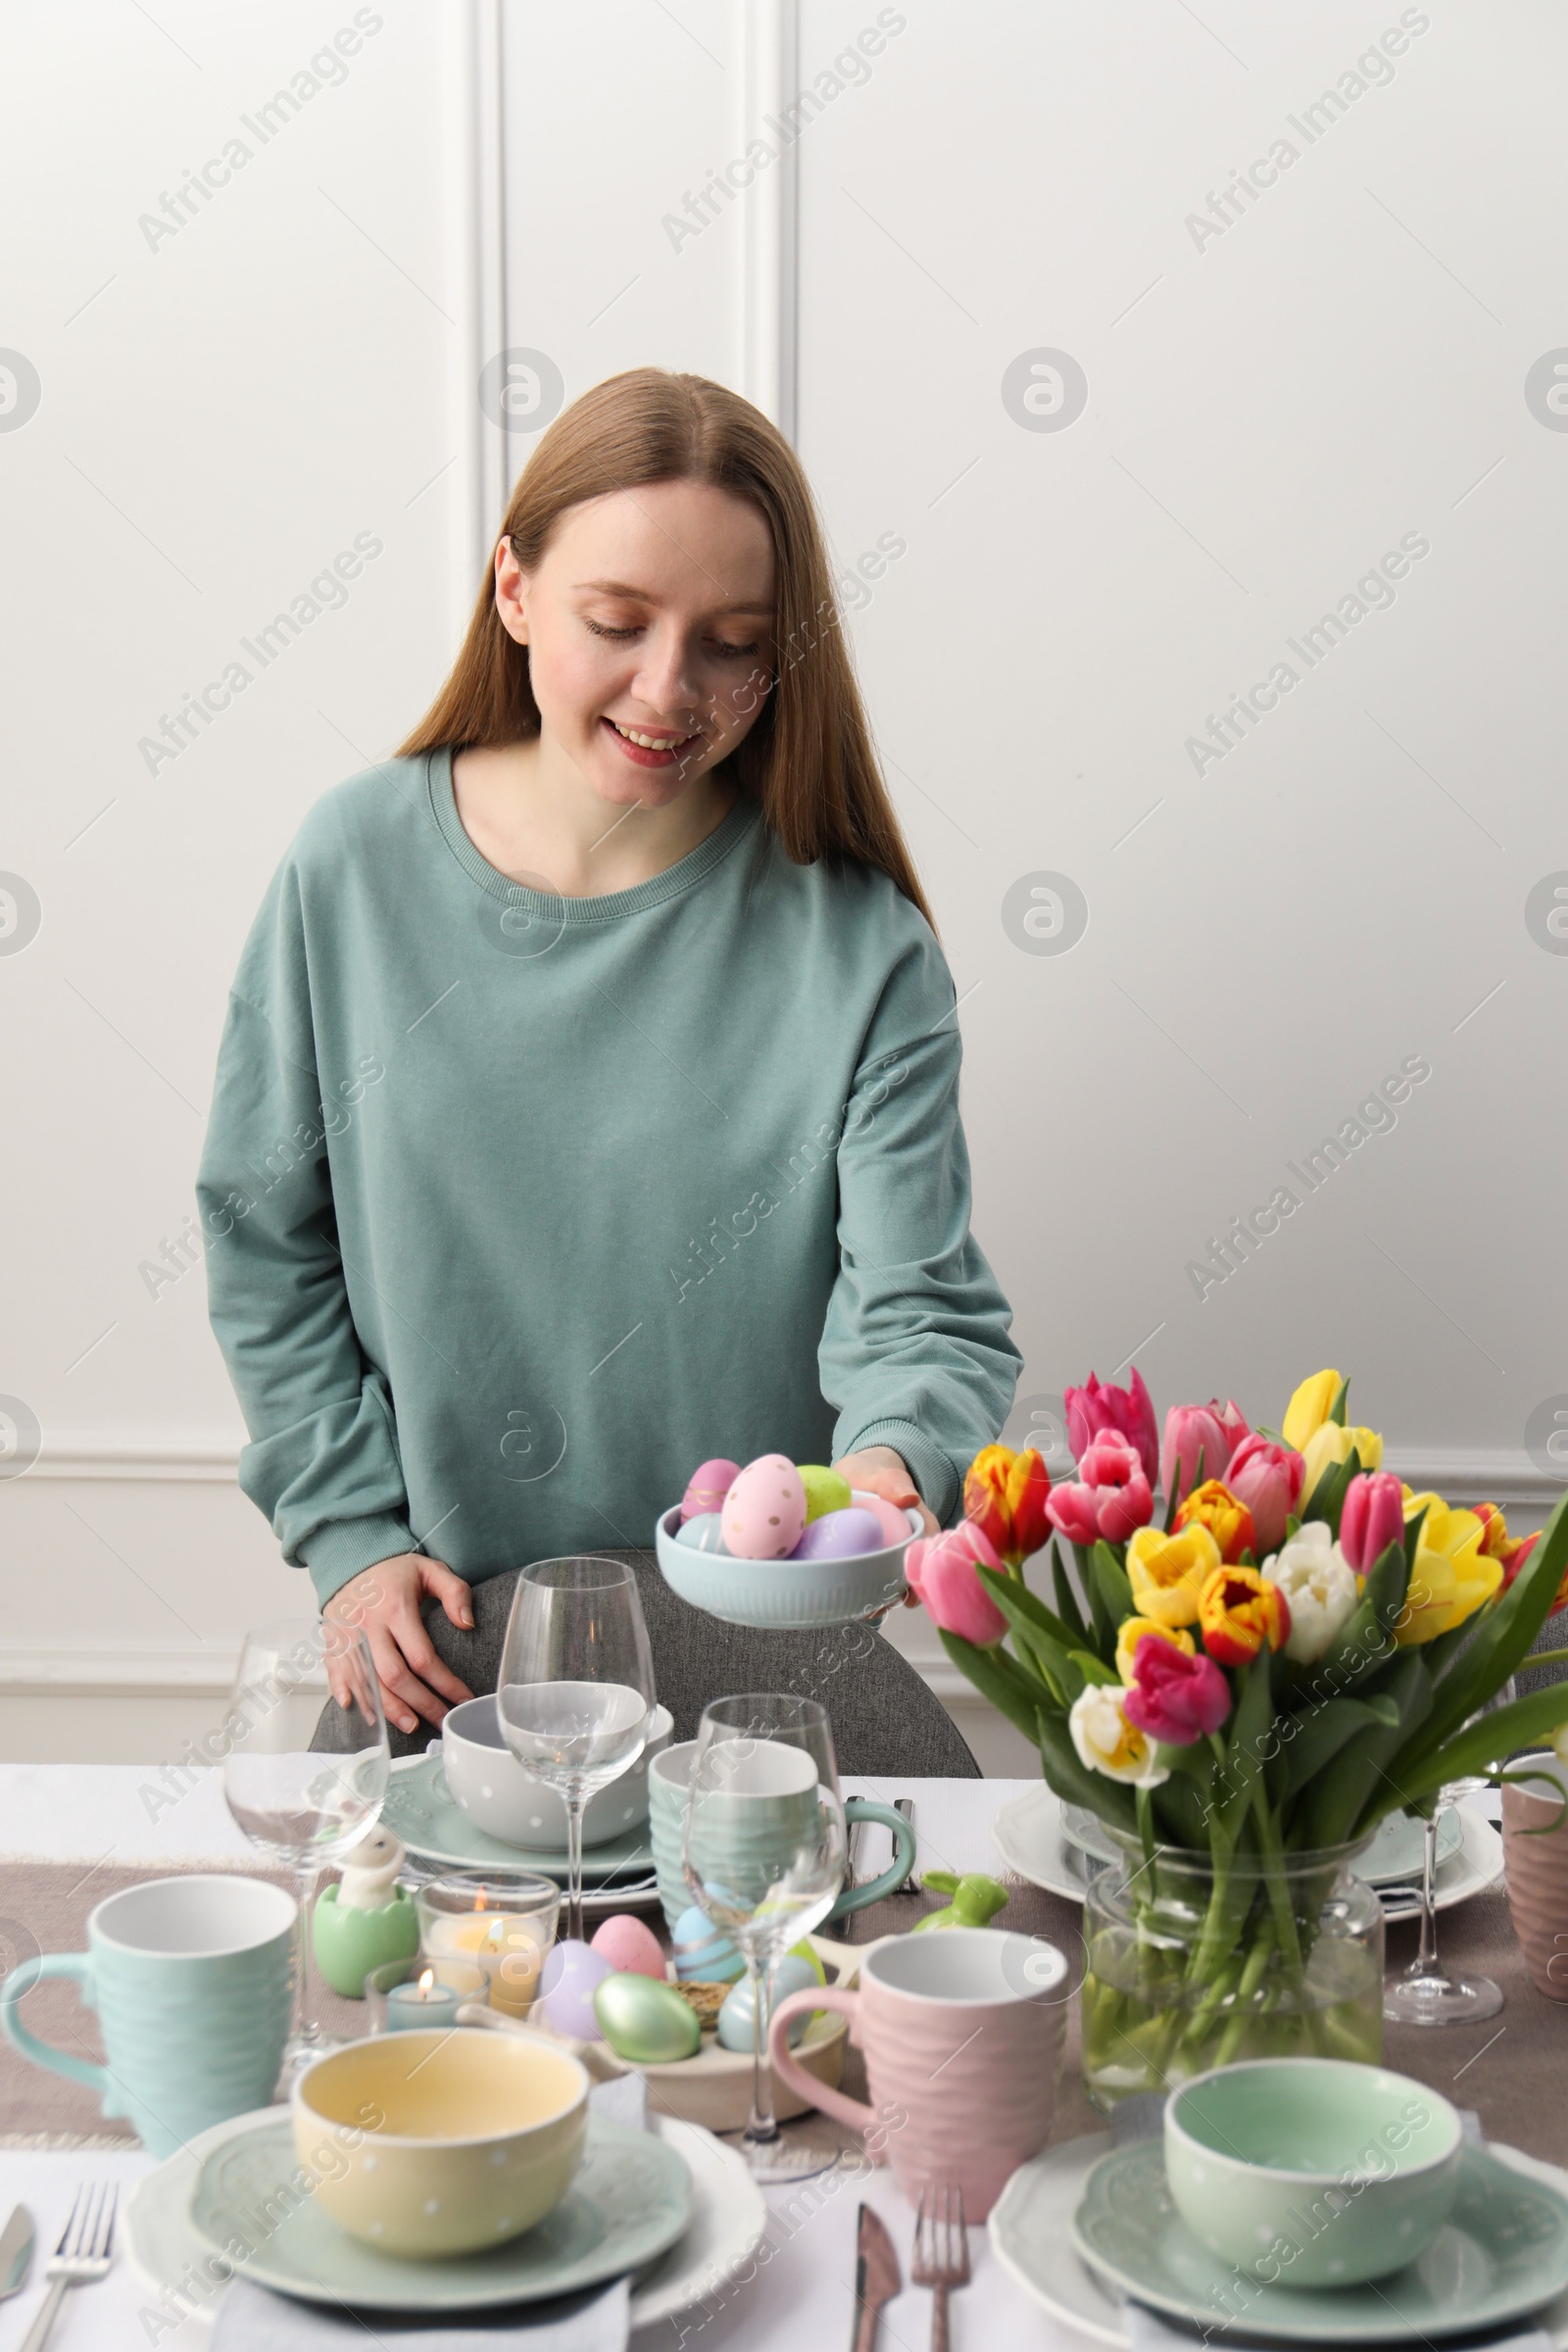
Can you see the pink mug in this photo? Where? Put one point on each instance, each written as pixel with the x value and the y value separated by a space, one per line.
pixel 1534 1853
pixel 962 2029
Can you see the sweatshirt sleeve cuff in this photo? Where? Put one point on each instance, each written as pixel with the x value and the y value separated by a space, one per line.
pixel 929 1467
pixel 339 1550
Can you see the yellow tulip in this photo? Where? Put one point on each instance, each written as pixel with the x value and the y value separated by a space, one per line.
pixel 1451 1576
pixel 1167 1572
pixel 1329 1443
pixel 1132 1630
pixel 1309 1408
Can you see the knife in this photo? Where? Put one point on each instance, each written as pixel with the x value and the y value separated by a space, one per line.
pixel 876 2278
pixel 16 2251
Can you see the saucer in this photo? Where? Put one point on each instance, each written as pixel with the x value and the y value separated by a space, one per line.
pixel 1502 2253
pixel 631 2199
pixel 727 2220
pixel 434 1828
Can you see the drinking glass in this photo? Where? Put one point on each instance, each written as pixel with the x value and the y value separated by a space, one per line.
pixel 575 1688
pixel 304 1805
pixel 1424 1993
pixel 763 1849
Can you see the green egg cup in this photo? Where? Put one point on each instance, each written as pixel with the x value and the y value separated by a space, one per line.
pixel 348 1945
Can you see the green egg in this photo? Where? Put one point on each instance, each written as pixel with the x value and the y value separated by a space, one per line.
pixel 644 2022
pixel 825 1491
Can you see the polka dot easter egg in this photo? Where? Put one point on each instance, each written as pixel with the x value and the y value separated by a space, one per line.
pixel 765 1511
pixel 708 1487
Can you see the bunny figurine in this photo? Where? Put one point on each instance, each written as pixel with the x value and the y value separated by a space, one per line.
pixel 367 1919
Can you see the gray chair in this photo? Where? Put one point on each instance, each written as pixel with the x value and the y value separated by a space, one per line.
pixel 885 1718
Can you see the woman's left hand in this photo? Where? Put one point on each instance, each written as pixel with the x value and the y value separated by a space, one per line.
pixel 878 1470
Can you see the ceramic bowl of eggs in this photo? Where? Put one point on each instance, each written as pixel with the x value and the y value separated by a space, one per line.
pixel 782 1543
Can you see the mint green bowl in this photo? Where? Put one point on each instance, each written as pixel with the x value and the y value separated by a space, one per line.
pixel 1311 2172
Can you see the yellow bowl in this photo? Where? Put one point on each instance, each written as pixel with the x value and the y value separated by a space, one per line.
pixel 441 2142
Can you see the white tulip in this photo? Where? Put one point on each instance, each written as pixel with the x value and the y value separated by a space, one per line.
pixel 1319 1585
pixel 1107 1743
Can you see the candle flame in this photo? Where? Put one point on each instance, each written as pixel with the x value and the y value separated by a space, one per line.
pixel 427 1981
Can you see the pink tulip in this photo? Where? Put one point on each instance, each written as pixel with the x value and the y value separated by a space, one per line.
pixel 1267 1478
pixel 1214 1428
pixel 1175 1697
pixel 1127 1411
pixel 1372 1518
pixel 941 1569
pixel 1113 1497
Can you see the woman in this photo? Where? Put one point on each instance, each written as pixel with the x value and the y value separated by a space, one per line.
pixel 588 1101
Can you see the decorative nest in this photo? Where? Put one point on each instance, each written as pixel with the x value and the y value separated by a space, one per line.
pixel 707 1999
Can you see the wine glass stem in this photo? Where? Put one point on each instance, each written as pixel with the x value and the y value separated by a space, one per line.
pixel 575 1806
pixel 762 2124
pixel 306 1877
pixel 1426 1959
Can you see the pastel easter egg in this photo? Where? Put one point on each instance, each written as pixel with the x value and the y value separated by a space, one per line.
pixel 703 1951
pixel 839 1536
pixel 894 1523
pixel 825 1491
pixel 708 1487
pixel 737 2018
pixel 700 1533
pixel 571 1975
pixel 765 1509
pixel 630 1946
pixel 649 2024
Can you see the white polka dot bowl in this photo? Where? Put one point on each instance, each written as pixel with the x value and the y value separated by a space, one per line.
pixel 1311 2172
pixel 441 2142
pixel 790 1595
pixel 501 1797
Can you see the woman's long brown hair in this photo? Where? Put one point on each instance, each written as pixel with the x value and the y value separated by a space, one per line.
pixel 808 757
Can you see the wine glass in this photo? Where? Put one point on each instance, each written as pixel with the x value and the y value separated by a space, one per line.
pixel 763 1851
pixel 576 1686
pixel 1424 1993
pixel 305 1805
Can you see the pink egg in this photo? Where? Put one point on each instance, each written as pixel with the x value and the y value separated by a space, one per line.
pixel 571 1975
pixel 894 1523
pixel 839 1535
pixel 764 1510
pixel 708 1487
pixel 630 1946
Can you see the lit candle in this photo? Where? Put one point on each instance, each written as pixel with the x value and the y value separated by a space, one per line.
pixel 506 1948
pixel 421 2004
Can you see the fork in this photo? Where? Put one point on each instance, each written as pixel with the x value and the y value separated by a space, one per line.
pixel 81 2256
pixel 940 2252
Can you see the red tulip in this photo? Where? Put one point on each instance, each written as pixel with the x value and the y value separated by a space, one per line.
pixel 1371 1518
pixel 1005 1493
pixel 1128 1411
pixel 1175 1697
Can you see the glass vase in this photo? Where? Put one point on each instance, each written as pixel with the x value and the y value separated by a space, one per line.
pixel 1189 1966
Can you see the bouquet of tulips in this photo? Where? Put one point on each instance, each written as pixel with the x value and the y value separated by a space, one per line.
pixel 1291 1649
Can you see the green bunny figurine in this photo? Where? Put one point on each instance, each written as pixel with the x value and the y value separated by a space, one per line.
pixel 975 1899
pixel 367 1920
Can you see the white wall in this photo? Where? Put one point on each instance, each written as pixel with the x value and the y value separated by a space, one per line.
pixel 1269 409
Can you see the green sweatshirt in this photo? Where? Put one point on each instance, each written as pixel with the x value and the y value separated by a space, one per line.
pixel 519 1207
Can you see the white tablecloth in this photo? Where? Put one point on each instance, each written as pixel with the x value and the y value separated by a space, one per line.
pixel 802 2298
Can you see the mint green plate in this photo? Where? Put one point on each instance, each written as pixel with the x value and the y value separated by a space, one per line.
pixel 1502 2253
pixel 434 1828
pixel 630 2201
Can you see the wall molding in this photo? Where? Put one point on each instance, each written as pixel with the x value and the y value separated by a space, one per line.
pixel 117 1673
pixel 769 43
pixel 477 104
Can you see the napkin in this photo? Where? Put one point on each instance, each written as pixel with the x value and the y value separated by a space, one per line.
pixel 252 2318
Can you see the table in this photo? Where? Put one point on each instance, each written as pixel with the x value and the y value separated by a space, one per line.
pixel 802 2290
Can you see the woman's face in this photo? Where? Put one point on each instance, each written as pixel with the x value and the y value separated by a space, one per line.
pixel 649 615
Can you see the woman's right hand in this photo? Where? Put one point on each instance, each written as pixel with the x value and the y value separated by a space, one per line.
pixel 384 1603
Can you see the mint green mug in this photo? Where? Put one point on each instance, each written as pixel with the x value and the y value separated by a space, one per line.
pixel 192 1980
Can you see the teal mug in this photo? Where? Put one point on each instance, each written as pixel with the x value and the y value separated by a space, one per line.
pixel 192 1980
pixel 668 1776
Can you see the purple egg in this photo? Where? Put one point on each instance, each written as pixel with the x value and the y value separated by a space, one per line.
pixel 571 1975
pixel 839 1535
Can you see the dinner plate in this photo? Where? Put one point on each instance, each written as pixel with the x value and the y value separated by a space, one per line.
pixel 1030 2227
pixel 434 1828
pixel 728 2218
pixel 1396 1855
pixel 1030 1836
pixel 1501 2253
pixel 630 2201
